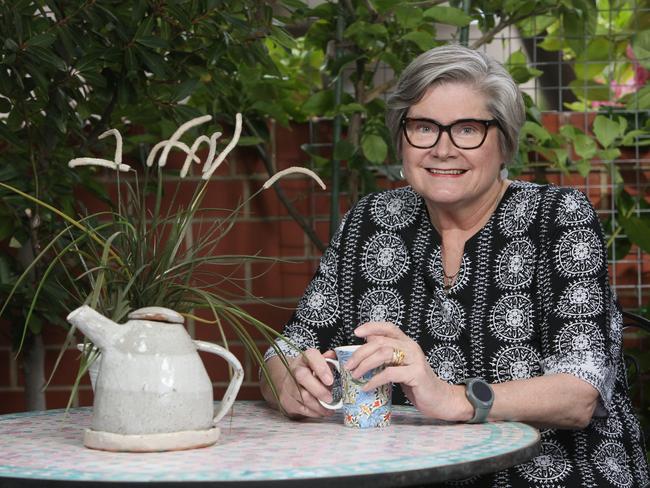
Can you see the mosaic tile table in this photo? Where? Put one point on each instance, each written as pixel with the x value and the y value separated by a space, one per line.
pixel 260 447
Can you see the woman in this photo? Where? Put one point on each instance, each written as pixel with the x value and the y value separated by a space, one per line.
pixel 466 275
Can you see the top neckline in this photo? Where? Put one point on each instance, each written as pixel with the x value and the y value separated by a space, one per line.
pixel 506 194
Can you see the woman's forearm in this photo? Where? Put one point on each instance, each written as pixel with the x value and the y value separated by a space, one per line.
pixel 552 401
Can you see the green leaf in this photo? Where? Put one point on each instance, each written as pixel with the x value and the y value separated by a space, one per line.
pixel 408 16
pixel 583 167
pixel 641 47
pixel 319 103
pixel 374 148
pixel 536 130
pixel 633 137
pixel 343 150
pixel 42 40
pixel 282 38
pixel 423 40
pixel 153 61
pixel 579 24
pixel 185 89
pixel 384 6
pixel 609 154
pixel 9 136
pixel 448 15
pixel 606 130
pixel 592 61
pixel 533 26
pixel 638 231
pixel 590 90
pixel 349 108
pixel 517 65
pixel 152 42
pixel 46 56
pixel 584 146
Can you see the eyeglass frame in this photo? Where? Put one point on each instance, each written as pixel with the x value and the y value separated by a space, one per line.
pixel 447 128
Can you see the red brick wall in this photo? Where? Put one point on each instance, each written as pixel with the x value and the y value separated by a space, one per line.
pixel 265 228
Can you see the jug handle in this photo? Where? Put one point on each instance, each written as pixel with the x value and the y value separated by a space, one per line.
pixel 235 383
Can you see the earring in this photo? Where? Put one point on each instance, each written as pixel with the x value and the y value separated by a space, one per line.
pixel 401 173
pixel 503 174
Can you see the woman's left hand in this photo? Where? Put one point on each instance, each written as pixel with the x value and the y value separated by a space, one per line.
pixel 426 391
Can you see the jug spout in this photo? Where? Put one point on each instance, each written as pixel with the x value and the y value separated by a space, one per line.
pixel 99 329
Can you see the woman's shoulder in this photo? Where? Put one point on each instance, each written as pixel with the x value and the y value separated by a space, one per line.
pixel 392 209
pixel 566 205
pixel 547 190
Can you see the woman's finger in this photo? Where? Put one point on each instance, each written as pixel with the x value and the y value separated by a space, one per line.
pixel 375 355
pixel 304 403
pixel 392 374
pixel 316 362
pixel 386 329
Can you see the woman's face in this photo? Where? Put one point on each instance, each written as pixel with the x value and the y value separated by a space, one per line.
pixel 445 175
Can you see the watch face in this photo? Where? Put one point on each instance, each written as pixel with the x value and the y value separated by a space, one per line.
pixel 481 391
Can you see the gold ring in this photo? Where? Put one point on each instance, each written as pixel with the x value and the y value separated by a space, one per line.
pixel 398 357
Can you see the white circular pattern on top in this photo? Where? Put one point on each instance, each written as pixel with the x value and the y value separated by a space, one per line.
pixel 580 299
pixel 395 209
pixel 515 363
pixel 301 337
pixel 610 426
pixel 519 212
pixel 448 363
pixel 516 264
pixel 552 464
pixel 574 209
pixel 382 305
pixel 511 317
pixel 385 259
pixel 611 460
pixel 579 252
pixel 579 336
pixel 446 318
pixel 320 303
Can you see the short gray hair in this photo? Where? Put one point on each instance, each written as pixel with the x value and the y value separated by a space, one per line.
pixel 453 63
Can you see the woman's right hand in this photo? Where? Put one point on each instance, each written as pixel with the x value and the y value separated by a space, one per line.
pixel 311 381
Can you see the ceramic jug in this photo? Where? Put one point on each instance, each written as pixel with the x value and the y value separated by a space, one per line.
pixel 152 392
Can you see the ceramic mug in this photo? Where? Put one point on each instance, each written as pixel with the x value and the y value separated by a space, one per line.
pixel 362 409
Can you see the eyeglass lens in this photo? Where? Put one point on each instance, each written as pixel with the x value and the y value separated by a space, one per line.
pixel 464 134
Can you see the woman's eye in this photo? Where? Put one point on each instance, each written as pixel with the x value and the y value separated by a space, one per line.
pixel 424 128
pixel 467 130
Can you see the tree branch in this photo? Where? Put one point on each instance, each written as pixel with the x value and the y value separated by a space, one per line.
pixel 489 35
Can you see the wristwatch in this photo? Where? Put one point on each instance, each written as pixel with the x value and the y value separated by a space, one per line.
pixel 480 395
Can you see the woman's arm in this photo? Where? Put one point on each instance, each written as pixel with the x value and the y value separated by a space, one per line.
pixel 553 401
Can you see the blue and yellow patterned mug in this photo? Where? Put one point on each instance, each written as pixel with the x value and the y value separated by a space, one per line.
pixel 363 409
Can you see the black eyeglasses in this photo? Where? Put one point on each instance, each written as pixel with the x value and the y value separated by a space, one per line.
pixel 464 133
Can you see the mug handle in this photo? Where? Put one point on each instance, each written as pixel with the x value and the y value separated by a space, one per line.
pixel 235 383
pixel 339 404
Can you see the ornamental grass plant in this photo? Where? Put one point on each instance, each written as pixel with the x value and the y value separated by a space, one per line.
pixel 144 251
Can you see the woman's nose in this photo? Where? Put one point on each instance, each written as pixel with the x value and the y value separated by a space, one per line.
pixel 444 146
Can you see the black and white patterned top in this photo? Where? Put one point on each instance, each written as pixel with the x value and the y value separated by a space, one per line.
pixel 532 297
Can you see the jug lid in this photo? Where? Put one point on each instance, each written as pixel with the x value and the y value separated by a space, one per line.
pixel 157 314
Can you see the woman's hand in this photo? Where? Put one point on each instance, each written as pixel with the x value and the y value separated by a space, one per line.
pixel 313 378
pixel 426 391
